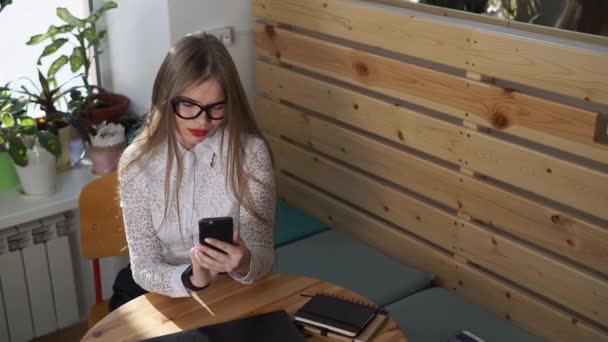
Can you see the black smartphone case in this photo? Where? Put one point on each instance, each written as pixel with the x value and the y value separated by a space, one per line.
pixel 219 228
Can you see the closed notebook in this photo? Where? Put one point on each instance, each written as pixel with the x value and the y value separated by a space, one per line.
pixel 335 314
pixel 275 326
pixel 367 334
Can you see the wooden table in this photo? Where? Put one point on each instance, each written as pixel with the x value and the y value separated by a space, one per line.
pixel 154 315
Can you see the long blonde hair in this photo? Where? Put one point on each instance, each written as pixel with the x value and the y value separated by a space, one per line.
pixel 194 59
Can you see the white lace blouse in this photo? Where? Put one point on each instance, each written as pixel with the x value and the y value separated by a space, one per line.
pixel 159 249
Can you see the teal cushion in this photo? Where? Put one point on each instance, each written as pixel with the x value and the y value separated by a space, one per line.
pixel 292 224
pixel 333 256
pixel 437 314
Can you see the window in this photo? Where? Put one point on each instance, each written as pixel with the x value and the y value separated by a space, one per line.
pixel 23 19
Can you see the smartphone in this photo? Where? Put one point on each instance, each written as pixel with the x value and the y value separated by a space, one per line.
pixel 219 228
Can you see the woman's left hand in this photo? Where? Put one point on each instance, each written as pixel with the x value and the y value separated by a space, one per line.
pixel 236 259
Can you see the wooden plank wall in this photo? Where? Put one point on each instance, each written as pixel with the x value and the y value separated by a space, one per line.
pixel 392 126
pixel 495 21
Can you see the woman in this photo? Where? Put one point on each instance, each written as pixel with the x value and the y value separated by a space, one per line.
pixel 200 155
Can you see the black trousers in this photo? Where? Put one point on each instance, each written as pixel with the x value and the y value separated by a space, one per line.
pixel 124 288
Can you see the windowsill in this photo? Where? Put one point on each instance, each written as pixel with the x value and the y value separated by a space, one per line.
pixel 16 208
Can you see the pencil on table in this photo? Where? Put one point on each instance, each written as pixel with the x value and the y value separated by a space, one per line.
pixel 201 302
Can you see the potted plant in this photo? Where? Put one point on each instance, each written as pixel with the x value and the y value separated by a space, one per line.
pixel 106 147
pixel 33 151
pixel 94 104
pixel 54 120
pixel 14 107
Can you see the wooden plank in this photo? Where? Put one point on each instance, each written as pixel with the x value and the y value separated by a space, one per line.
pixel 560 68
pixel 499 159
pixel 376 26
pixel 566 70
pixel 596 152
pixel 398 124
pixel 563 283
pixel 561 233
pixel 579 187
pixel 475 101
pixel 520 308
pixel 511 24
pixel 518 166
pixel 347 105
pixel 424 220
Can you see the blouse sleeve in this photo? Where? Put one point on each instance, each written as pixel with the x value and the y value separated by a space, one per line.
pixel 258 235
pixel 150 271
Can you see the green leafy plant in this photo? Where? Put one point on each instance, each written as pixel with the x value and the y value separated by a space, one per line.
pixel 46 97
pixel 85 48
pixel 11 105
pixel 17 135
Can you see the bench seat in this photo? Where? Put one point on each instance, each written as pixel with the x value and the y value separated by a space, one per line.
pixel 333 256
pixel 437 314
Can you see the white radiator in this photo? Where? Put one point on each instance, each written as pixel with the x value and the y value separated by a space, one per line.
pixel 37 288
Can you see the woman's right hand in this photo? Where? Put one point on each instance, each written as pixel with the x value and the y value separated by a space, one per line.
pixel 201 276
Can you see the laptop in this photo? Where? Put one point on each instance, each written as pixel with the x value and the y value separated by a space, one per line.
pixel 274 326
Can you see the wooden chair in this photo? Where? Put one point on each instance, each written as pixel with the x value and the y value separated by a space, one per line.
pixel 101 231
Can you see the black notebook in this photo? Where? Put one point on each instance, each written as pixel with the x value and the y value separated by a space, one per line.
pixel 275 326
pixel 335 314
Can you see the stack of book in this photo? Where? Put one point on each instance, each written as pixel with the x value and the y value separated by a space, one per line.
pixel 339 318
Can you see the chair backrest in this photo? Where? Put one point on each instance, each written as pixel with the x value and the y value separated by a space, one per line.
pixel 101 226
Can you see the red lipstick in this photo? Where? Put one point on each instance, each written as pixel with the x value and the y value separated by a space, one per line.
pixel 199 133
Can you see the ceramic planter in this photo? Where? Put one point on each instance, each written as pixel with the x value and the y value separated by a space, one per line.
pixel 105 159
pixel 117 107
pixel 38 177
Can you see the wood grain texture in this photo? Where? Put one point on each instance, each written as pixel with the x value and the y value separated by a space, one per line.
pixel 520 308
pixel 475 101
pixel 560 68
pixel 483 104
pixel 545 175
pixel 579 187
pixel 561 282
pixel 101 226
pixel 561 233
pixel 372 25
pixel 570 71
pixel 351 105
pixel 422 219
pixel 500 22
pixel 153 315
pixel 98 312
pixel 69 334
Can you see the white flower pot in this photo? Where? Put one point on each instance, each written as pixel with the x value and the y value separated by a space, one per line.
pixel 38 177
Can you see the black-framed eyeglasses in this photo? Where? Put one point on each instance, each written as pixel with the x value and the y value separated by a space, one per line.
pixel 190 110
